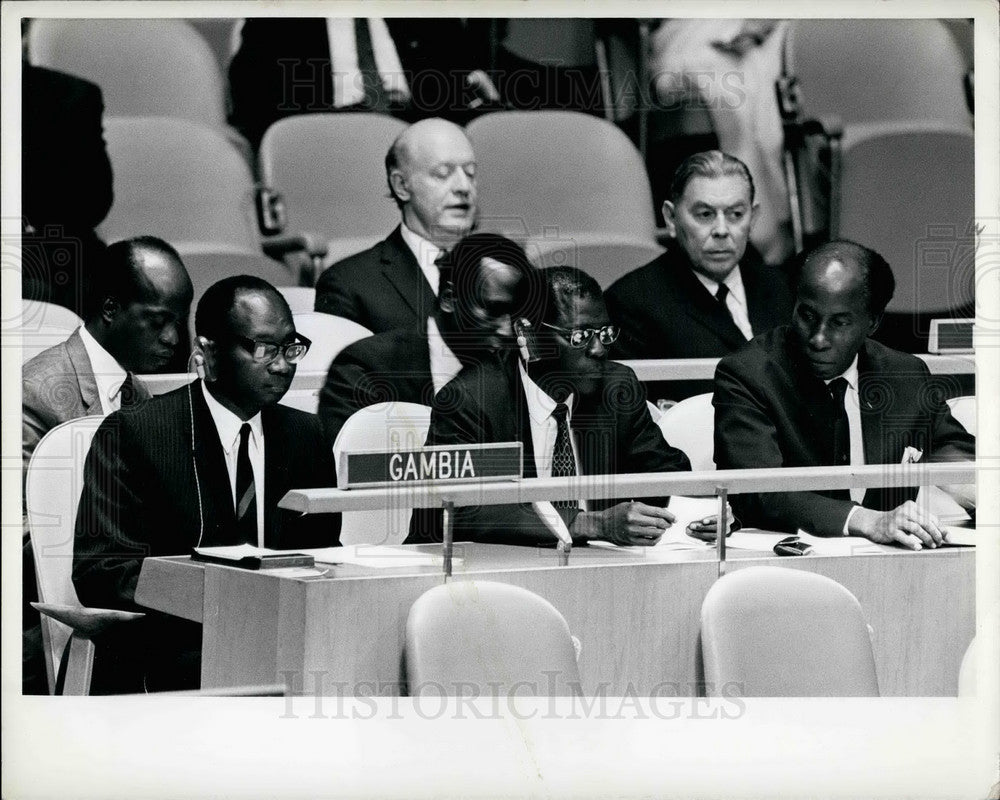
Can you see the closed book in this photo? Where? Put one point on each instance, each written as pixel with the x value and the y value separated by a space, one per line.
pixel 247 556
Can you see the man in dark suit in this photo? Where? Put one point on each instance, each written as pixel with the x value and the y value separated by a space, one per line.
pixel 431 172
pixel 66 185
pixel 136 319
pixel 411 68
pixel 576 413
pixel 708 293
pixel 486 281
pixel 819 391
pixel 203 465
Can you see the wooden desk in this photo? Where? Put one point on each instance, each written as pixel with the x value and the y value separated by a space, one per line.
pixel 636 615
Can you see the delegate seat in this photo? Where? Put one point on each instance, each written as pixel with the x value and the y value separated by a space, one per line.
pixel 329 335
pixel 41 326
pixel 689 425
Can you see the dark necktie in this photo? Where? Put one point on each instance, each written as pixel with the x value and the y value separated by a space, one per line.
pixel 720 297
pixel 841 429
pixel 127 394
pixel 563 463
pixel 246 491
pixel 376 98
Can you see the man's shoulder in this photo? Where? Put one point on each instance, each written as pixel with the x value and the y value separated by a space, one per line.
pixel 635 284
pixel 754 356
pixel 293 421
pixel 44 364
pixel 358 267
pixel 883 360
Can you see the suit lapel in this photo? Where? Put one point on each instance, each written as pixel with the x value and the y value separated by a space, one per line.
pixel 401 270
pixel 276 475
pixel 705 310
pixel 89 396
pixel 758 304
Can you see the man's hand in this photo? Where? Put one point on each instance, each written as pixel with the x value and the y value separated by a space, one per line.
pixel 907 524
pixel 625 524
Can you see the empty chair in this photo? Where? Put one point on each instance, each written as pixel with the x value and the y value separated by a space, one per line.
pixel 385 427
pixel 145 67
pixel 481 638
pixel 776 632
pixel 330 171
pixel 42 325
pixel 328 334
pixel 559 173
pixel 207 265
pixel 967 672
pixel 604 257
pixel 182 181
pixel 871 70
pixel 52 492
pixel 690 426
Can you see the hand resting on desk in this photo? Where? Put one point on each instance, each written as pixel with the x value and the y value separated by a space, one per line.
pixel 908 525
pixel 625 524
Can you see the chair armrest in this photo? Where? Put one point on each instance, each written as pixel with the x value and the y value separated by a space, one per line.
pixel 86 622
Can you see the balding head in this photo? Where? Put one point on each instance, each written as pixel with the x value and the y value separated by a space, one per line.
pixel 139 303
pixel 431 171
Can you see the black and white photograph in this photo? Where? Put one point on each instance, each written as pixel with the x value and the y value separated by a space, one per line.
pixel 540 399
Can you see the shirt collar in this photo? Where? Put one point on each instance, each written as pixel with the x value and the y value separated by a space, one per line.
pixel 540 404
pixel 445 365
pixel 733 281
pixel 424 250
pixel 108 373
pixel 850 375
pixel 228 424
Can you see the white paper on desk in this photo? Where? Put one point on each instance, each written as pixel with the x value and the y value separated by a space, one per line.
pixel 840 545
pixel 238 551
pixel 686 510
pixel 377 556
pixel 966 537
pixel 760 541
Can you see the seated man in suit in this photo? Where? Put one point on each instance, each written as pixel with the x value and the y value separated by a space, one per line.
pixel 708 293
pixel 411 68
pixel 486 281
pixel 576 412
pixel 203 465
pixel 820 391
pixel 431 172
pixel 136 318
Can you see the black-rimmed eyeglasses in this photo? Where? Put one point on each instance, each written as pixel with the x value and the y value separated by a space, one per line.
pixel 581 337
pixel 266 352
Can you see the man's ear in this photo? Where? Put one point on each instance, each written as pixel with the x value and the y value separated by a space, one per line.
pixel 399 186
pixel 446 297
pixel 668 217
pixel 109 309
pixel 873 326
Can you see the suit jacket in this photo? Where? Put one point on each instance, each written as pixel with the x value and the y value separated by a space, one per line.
pixel 435 54
pixel 381 288
pixel 665 312
pixel 395 365
pixel 771 412
pixel 58 386
pixel 143 495
pixel 612 429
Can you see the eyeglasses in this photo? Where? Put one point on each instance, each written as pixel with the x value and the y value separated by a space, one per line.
pixel 792 546
pixel 581 337
pixel 266 352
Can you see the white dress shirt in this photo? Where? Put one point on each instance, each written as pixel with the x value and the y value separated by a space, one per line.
pixel 228 426
pixel 544 427
pixel 853 408
pixel 426 253
pixel 348 86
pixel 444 363
pixel 736 300
pixel 108 373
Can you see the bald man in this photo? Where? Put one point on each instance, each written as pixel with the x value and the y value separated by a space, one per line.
pixel 431 172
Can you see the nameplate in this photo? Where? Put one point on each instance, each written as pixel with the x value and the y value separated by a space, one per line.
pixel 453 463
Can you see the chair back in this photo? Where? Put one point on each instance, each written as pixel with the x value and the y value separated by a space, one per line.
pixel 872 70
pixel 183 181
pixel 329 335
pixel 967 671
pixel 53 485
pixel 561 173
pixel 963 409
pixel 605 257
pixel 481 638
pixel 300 299
pixel 145 67
pixel 40 326
pixel 384 427
pixel 330 170
pixel 689 425
pixel 931 165
pixel 776 632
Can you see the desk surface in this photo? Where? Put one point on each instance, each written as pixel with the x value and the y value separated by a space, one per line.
pixel 636 615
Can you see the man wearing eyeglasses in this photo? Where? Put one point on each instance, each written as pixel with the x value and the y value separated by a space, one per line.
pixel 203 465
pixel 576 412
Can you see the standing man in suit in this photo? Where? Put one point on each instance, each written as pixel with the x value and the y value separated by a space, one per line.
pixel 431 172
pixel 203 465
pixel 486 281
pixel 410 68
pixel 708 293
pixel 821 392
pixel 135 320
pixel 576 412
